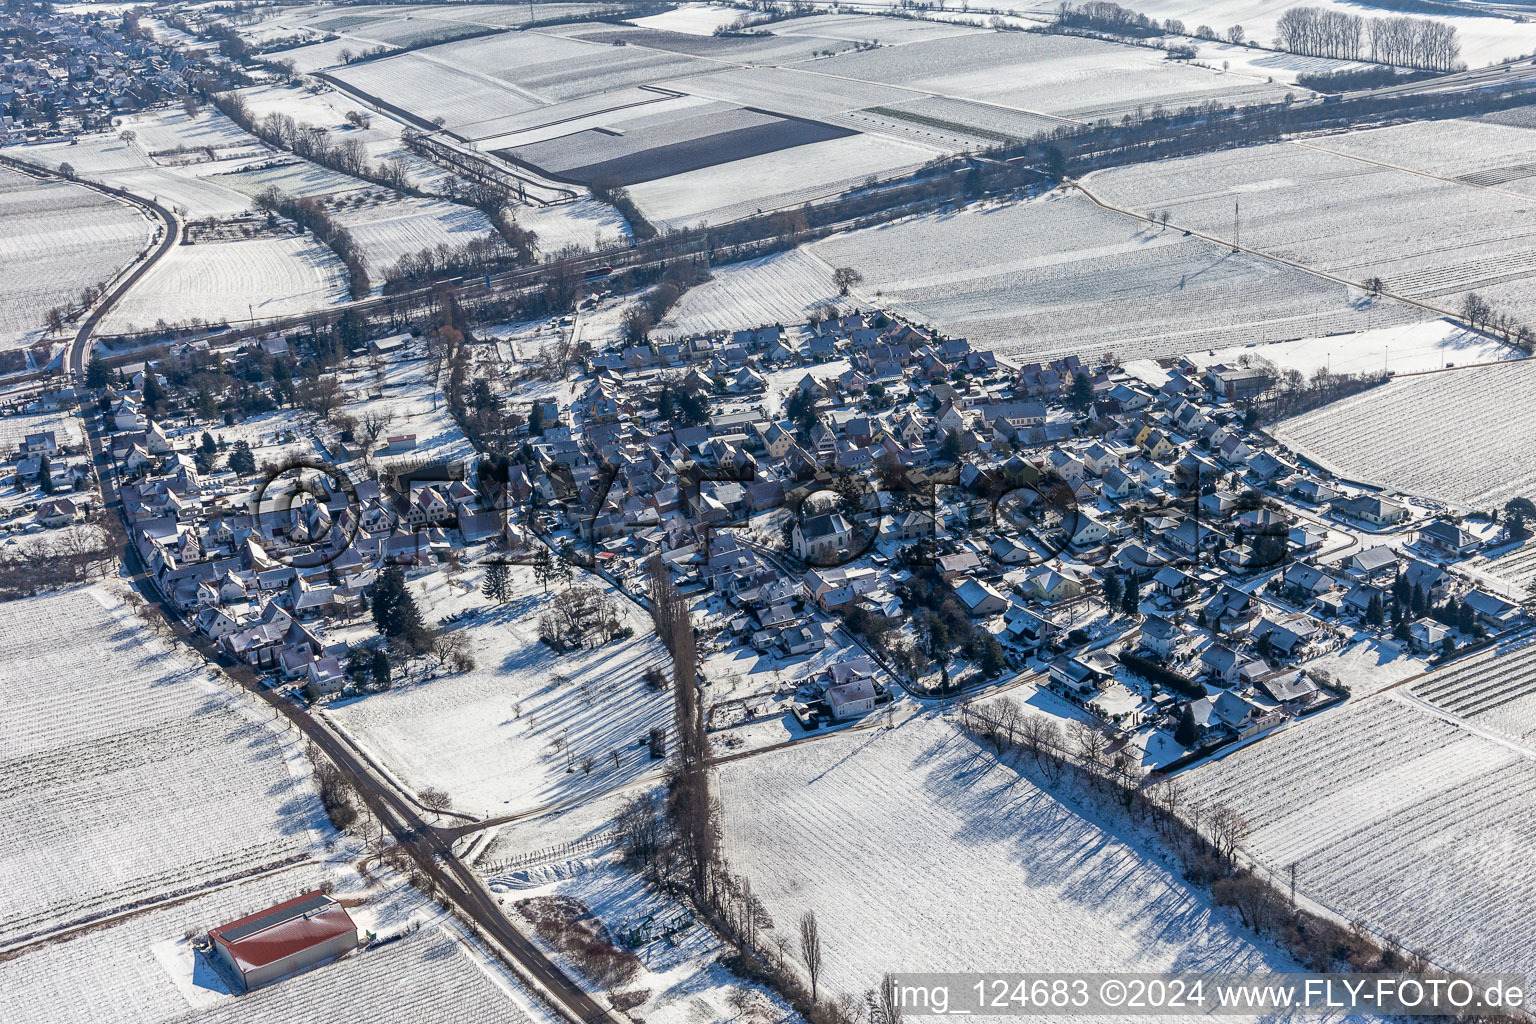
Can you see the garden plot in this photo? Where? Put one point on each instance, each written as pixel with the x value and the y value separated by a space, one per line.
pixel 775 181
pixel 519 730
pixel 168 781
pixel 388 231
pixel 1459 436
pixel 1084 79
pixel 66 427
pixel 783 288
pixel 1433 239
pixel 59 238
pixel 404 392
pixel 218 281
pixel 676 147
pixel 1058 275
pixel 887 834
pixel 1393 814
pixel 1411 348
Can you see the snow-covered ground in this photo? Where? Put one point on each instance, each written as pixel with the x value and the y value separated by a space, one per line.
pixel 515 733
pixel 1390 812
pixel 264 277
pixel 130 773
pixel 587 223
pixel 390 230
pixel 1410 348
pixel 1011 277
pixel 682 979
pixel 691 19
pixel 1434 239
pixel 785 288
pixel 917 854
pixel 1458 435
pixel 66 428
pixel 59 239
pixel 402 389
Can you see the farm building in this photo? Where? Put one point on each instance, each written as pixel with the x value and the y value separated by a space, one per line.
pixel 274 943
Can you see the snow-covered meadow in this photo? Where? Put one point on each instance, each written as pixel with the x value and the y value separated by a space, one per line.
pixel 1395 814
pixel 516 732
pixel 917 853
pixel 59 239
pixel 130 773
pixel 1458 435
pixel 1012 277
pixel 1434 239
pixel 264 277
pixel 388 231
pixel 1410 348
pixel 785 287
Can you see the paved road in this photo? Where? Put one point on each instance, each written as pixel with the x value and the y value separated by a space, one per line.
pixel 431 848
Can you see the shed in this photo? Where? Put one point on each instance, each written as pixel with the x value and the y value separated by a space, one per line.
pixel 274 943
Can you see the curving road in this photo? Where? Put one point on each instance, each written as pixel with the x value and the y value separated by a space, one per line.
pixel 430 847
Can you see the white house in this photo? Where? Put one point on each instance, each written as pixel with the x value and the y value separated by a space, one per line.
pixel 851 699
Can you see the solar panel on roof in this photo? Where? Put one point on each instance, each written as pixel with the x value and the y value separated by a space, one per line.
pixel 267 920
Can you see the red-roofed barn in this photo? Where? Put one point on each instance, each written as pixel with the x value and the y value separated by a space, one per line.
pixel 274 943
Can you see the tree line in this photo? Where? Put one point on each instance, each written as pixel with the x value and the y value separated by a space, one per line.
pixel 309 214
pixel 1403 41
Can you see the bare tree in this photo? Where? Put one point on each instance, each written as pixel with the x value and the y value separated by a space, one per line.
pixel 1228 830
pixel 810 949
pixel 436 799
pixel 846 279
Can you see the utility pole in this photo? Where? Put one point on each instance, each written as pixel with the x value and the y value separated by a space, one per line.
pixel 1237 225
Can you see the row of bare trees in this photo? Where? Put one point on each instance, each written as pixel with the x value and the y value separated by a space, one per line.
pixel 58 558
pixel 1403 41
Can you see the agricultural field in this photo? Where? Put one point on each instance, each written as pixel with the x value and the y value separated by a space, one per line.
pixel 1495 691
pixel 1067 76
pixel 1410 348
pixel 1478 151
pixel 1012 278
pixel 915 857
pixel 586 223
pixel 1516 568
pixel 390 230
pixel 1459 436
pixel 686 144
pixel 517 731
pixel 170 781
pixel 1394 814
pixel 1429 238
pixel 60 238
pixel 786 287
pixel 217 281
pixel 775 181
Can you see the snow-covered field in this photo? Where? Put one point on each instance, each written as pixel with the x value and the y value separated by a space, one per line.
pixel 66 428
pixel 388 231
pixel 1496 690
pixel 514 733
pixel 1460 435
pixel 1411 348
pixel 1391 813
pixel 1431 238
pixel 59 238
pixel 140 970
pixel 267 277
pixel 916 857
pixel 789 177
pixel 1058 274
pixel 1082 79
pixel 783 288
pixel 585 222
pixel 1476 151
pixel 691 19
pixel 412 401
pixel 127 772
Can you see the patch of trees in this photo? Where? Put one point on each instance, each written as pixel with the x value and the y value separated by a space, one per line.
pixel 52 560
pixel 309 214
pixel 1167 678
pixel 1359 78
pixel 1103 16
pixel 655 304
pixel 1408 42
pixel 478 255
pixel 349 156
pixel 611 190
pixel 1295 393
pixel 580 615
pixel 336 794
pixel 1482 315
